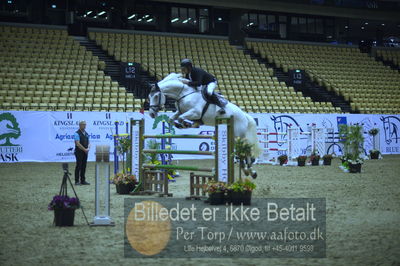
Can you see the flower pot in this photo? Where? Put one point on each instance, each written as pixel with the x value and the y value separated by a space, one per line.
pixel 315 162
pixel 355 168
pixel 240 197
pixel 327 161
pixel 301 163
pixel 374 155
pixel 64 217
pixel 216 198
pixel 124 188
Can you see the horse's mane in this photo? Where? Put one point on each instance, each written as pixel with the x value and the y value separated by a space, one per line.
pixel 173 80
pixel 172 75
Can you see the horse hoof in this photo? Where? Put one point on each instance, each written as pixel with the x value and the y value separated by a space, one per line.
pixel 178 125
pixel 254 174
pixel 187 123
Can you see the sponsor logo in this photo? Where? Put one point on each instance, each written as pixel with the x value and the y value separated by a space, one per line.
pixel 107 123
pixel 62 137
pixel 204 146
pixel 66 154
pixel 66 123
pixel 9 129
pixel 391 126
pixel 207 133
pixel 168 127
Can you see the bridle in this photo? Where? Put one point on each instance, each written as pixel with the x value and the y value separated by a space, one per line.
pixel 157 107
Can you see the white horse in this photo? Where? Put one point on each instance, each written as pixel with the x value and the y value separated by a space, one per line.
pixel 191 112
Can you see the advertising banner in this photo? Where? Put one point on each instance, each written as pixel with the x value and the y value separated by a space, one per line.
pixel 28 136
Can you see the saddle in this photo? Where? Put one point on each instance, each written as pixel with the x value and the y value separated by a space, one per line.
pixel 215 98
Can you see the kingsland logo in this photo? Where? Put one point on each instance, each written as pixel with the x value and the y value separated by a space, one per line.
pixel 106 123
pixel 66 123
pixel 103 123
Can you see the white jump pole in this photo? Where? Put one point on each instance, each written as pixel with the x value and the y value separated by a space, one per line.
pixel 102 193
pixel 265 140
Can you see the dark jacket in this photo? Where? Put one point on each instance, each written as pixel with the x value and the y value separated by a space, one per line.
pixel 200 77
pixel 83 140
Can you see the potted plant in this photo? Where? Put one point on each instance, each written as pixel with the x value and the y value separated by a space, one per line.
pixel 301 160
pixel 64 209
pixel 354 166
pixel 343 158
pixel 243 151
pixel 282 159
pixel 216 192
pixel 240 192
pixel 345 165
pixel 123 149
pixel 314 158
pixel 327 159
pixel 352 138
pixel 374 154
pixel 124 183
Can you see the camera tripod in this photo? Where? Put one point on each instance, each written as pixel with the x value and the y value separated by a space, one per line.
pixel 64 189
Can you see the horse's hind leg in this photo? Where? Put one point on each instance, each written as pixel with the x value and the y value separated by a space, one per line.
pixel 243 167
pixel 249 163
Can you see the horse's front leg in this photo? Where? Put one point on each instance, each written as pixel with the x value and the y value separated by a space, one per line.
pixel 188 117
pixel 172 120
pixel 249 163
pixel 174 116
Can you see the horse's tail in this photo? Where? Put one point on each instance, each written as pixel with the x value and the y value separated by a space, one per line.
pixel 251 136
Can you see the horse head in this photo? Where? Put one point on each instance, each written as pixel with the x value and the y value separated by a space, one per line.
pixel 157 100
pixel 386 129
pixel 390 126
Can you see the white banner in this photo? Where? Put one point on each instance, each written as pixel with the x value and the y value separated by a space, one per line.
pixel 223 153
pixel 27 136
pixel 136 149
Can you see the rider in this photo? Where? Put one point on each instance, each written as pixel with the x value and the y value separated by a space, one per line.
pixel 199 77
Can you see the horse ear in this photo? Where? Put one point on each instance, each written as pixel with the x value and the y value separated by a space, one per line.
pixel 273 118
pixel 382 118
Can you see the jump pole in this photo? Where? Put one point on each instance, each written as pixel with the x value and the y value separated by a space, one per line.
pixel 224 139
pixel 116 162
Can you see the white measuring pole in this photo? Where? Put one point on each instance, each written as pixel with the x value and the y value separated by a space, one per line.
pixel 102 189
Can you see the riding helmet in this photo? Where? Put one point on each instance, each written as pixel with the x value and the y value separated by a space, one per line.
pixel 186 63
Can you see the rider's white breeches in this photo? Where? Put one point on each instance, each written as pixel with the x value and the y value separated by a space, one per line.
pixel 211 87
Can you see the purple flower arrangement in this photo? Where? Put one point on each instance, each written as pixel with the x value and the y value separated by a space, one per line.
pixel 63 202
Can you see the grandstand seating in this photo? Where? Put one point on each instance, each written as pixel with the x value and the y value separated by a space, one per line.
pixel 392 55
pixel 45 69
pixel 241 79
pixel 370 86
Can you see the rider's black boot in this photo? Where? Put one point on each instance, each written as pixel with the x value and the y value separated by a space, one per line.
pixel 218 102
